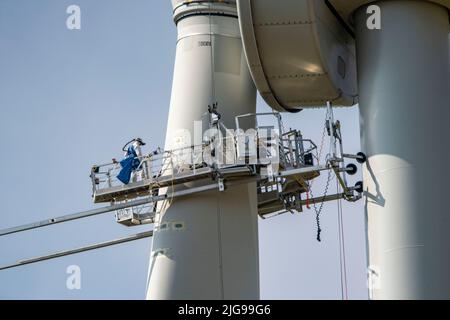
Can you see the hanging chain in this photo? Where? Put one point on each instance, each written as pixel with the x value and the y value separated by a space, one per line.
pixel 318 210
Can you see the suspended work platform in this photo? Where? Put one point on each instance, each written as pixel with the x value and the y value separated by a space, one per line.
pixel 282 163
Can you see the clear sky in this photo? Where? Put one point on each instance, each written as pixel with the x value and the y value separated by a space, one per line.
pixel 70 99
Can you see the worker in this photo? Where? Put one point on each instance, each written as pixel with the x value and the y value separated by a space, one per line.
pixel 131 164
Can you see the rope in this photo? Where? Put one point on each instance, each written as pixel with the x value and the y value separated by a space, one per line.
pixel 342 259
pixel 169 201
pixel 213 80
pixel 213 98
pixel 219 238
pixel 322 141
pixel 166 203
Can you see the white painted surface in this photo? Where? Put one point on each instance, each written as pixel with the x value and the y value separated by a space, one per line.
pixel 404 101
pixel 215 255
pixel 299 55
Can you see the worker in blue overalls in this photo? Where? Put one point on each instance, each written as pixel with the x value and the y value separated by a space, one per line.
pixel 132 167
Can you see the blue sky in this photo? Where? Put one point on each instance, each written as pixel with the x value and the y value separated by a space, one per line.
pixel 70 99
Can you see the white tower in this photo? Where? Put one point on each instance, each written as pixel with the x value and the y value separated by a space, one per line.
pixel 206 246
pixel 403 72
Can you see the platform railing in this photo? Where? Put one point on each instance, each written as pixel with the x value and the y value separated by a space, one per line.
pixel 188 160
